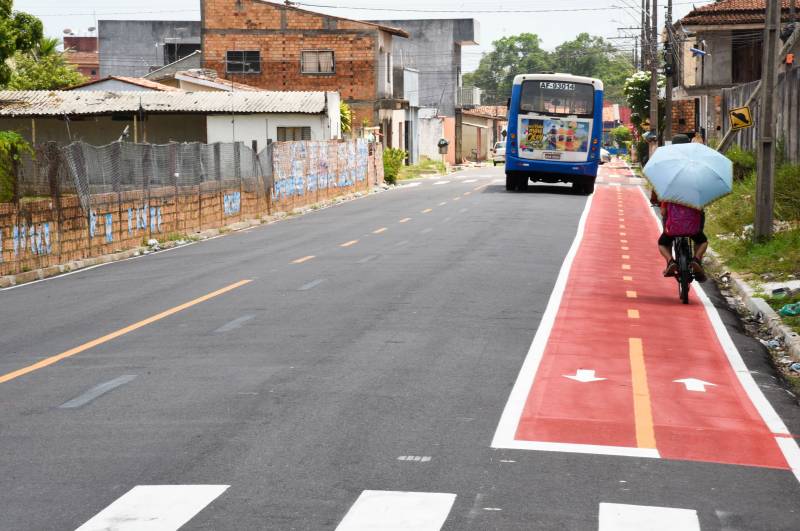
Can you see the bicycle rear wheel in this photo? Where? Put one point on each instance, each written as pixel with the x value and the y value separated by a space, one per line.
pixel 683 255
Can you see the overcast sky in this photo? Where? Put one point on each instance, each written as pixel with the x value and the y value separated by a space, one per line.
pixel 553 20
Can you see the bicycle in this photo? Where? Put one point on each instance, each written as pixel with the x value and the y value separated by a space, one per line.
pixel 683 252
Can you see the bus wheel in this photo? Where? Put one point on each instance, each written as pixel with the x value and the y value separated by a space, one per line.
pixel 522 183
pixel 510 182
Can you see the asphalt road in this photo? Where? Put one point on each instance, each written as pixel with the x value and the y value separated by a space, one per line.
pixel 316 380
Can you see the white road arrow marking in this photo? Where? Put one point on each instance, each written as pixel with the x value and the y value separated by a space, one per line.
pixel 693 384
pixel 583 376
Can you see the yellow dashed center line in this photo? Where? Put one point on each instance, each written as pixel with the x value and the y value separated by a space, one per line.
pixel 623 233
pixel 642 411
pixel 427 210
pixel 382 229
pixel 348 244
pixel 121 332
pixel 633 314
pixel 631 294
pixel 627 278
pixel 405 220
pixel 304 259
pixel 626 267
pixel 443 203
pixel 623 241
pixel 456 199
pixel 625 248
pixel 622 226
pixel 626 257
pixel 467 193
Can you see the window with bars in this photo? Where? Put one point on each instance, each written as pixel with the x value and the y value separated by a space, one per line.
pixel 243 62
pixel 290 134
pixel 317 62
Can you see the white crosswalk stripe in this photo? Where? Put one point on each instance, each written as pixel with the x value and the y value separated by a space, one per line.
pixel 383 510
pixel 154 508
pixel 621 517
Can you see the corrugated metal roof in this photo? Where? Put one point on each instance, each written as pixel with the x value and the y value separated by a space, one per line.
pixel 60 102
pixel 138 81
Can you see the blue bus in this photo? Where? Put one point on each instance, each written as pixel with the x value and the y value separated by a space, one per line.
pixel 555 126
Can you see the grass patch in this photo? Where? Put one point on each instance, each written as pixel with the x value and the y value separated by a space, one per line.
pixel 424 166
pixel 729 227
pixel 777 303
pixel 779 257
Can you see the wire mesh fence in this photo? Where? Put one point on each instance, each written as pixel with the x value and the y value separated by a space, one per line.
pixel 83 200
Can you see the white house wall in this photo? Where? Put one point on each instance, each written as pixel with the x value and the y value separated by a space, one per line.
pixel 260 127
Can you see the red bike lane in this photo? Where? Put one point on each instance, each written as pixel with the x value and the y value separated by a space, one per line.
pixel 619 366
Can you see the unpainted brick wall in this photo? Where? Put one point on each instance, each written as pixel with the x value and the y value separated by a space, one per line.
pixel 280 33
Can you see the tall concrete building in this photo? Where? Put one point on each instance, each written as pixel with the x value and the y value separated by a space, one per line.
pixel 133 48
pixel 434 49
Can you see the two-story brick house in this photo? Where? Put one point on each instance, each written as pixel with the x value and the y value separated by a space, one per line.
pixel 280 47
pixel 721 46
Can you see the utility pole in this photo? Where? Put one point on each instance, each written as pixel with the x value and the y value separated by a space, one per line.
pixel 765 186
pixel 643 37
pixel 653 48
pixel 670 72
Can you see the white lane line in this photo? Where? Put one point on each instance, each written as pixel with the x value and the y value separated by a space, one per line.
pixel 311 285
pixel 97 391
pixel 425 231
pixel 621 517
pixel 398 511
pixel 440 182
pixel 410 185
pixel 154 508
pixel 401 243
pixel 368 258
pixel 471 180
pixel 233 325
pixel 787 443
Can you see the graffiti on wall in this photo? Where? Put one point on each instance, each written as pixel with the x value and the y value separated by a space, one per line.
pixel 32 238
pixel 232 203
pixel 301 167
pixel 139 217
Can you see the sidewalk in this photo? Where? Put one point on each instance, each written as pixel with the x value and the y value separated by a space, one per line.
pixel 620 367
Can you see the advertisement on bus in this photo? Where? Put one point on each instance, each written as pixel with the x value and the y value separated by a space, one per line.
pixel 566 135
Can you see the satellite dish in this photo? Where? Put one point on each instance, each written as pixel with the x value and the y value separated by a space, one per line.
pixel 92 28
pixel 67 31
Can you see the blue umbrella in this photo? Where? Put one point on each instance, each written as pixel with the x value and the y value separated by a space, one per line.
pixel 689 174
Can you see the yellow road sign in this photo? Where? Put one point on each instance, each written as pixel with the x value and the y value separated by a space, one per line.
pixel 741 118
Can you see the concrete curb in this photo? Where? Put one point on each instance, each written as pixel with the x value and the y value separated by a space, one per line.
pixel 758 305
pixel 8 281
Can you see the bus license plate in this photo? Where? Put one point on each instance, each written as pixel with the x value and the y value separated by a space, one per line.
pixel 552 156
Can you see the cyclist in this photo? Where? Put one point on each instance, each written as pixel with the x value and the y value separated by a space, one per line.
pixel 665 241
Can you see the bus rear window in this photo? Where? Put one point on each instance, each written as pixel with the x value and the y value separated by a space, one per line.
pixel 557 98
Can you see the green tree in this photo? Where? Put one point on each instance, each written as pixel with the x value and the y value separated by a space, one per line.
pixel 346 117
pixel 510 56
pixel 45 47
pixel 591 56
pixel 50 72
pixel 637 95
pixel 522 54
pixel 12 147
pixel 621 135
pixel 19 32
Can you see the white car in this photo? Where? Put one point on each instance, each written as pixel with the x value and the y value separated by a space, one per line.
pixel 605 156
pixel 499 153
